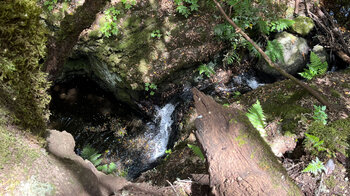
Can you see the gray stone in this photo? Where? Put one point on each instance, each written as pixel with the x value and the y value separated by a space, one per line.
pixel 295 50
pixel 320 51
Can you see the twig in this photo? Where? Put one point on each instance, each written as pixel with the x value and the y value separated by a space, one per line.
pixel 172 187
pixel 318 191
pixel 312 91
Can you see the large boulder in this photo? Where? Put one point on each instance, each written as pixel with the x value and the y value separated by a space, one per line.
pixel 295 50
pixel 123 63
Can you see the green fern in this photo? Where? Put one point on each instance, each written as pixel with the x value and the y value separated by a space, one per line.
pixel 257 118
pixel 275 51
pixel 197 151
pixel 317 67
pixel 279 25
pixel 315 167
pixel 93 156
pixel 315 142
pixel 88 152
pixel 206 69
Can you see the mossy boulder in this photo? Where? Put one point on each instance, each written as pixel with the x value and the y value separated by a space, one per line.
pixel 303 25
pixel 124 62
pixel 295 50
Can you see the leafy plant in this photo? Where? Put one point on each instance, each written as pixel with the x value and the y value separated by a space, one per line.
pixel 110 26
pixel 320 114
pixel 274 50
pixel 256 116
pixel 50 4
pixel 156 33
pixel 314 142
pixel 260 18
pixel 150 87
pixel 315 167
pixel 197 151
pixel 186 7
pixel 275 25
pixel 168 153
pixel 317 67
pixel 128 3
pixel 94 157
pixel 206 69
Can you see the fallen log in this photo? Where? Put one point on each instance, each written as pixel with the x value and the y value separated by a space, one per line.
pixel 239 161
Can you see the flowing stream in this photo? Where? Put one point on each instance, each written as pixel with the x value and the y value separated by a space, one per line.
pixel 121 135
pixel 158 134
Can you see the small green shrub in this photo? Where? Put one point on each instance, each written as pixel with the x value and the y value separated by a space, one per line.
pixel 156 33
pixel 110 27
pixel 256 116
pixel 320 114
pixel 317 67
pixel 150 87
pixel 128 3
pixel 50 4
pixel 207 70
pixel 315 167
pixel 186 7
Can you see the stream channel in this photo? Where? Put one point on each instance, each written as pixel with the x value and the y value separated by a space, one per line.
pixel 123 135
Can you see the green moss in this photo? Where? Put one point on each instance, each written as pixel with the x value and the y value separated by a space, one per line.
pixel 303 25
pixel 284 105
pixel 335 135
pixel 241 139
pixel 335 93
pixel 331 182
pixel 23 87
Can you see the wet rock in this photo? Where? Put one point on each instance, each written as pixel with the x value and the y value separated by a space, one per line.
pixel 295 50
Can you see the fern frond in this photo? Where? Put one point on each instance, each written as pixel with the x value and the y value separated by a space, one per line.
pixel 197 151
pixel 275 51
pixel 87 152
pixel 257 118
pixel 283 24
pixel 315 167
pixel 316 67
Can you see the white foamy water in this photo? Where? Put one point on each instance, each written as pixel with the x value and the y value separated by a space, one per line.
pixel 158 136
pixel 249 80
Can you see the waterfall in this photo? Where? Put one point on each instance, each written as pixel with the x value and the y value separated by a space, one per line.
pixel 159 135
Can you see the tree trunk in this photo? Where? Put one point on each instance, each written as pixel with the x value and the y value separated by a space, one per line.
pixel 239 161
pixel 60 46
pixel 313 92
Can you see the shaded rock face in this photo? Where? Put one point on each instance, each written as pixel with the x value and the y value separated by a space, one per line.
pixel 123 63
pixel 295 50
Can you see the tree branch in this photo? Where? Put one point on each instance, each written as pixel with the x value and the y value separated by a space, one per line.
pixel 313 92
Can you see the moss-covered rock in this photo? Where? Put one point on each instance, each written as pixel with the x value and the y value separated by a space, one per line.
pixel 303 25
pixel 22 44
pixel 132 57
pixel 335 135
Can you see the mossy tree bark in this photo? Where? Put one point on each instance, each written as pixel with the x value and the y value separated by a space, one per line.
pixel 60 46
pixel 239 160
pixel 313 92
